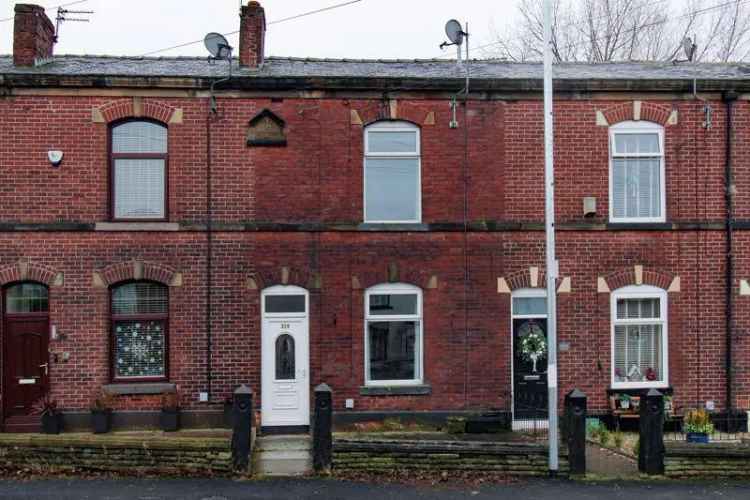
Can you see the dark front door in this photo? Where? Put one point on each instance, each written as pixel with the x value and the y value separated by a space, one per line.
pixel 530 368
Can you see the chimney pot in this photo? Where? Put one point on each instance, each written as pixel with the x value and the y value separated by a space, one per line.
pixel 33 35
pixel 252 34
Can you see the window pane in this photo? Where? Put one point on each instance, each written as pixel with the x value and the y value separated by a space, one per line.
pixel 391 142
pixel 636 143
pixel 139 188
pixel 285 358
pixel 619 187
pixel 393 304
pixel 392 350
pixel 285 303
pixel 391 187
pixel 139 349
pixel 26 298
pixel 638 353
pixel 139 298
pixel 529 305
pixel 139 137
pixel 636 187
pixel 638 308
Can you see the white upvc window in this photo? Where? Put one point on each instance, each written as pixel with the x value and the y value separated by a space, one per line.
pixel 639 338
pixel 393 335
pixel 636 172
pixel 392 177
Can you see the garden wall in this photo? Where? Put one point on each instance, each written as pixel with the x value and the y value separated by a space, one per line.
pixel 523 459
pixel 125 455
pixel 725 460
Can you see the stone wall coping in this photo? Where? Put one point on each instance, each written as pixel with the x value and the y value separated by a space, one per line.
pixel 709 450
pixel 84 440
pixel 436 446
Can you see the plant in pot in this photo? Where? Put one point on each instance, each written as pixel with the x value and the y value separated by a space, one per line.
pixel 46 407
pixel 101 412
pixel 625 401
pixel 698 426
pixel 169 420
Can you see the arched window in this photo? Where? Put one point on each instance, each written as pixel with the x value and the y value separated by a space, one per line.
pixel 392 189
pixel 639 337
pixel 26 298
pixel 636 177
pixel 140 312
pixel 393 335
pixel 139 171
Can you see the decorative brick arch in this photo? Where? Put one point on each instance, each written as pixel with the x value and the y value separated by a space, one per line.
pixel 137 108
pixel 394 110
pixel 525 278
pixel 639 275
pixel 639 111
pixel 137 270
pixel 271 276
pixel 394 274
pixel 30 271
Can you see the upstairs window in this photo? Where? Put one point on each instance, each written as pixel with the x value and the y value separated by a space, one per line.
pixel 392 173
pixel 393 336
pixel 636 191
pixel 140 312
pixel 139 171
pixel 639 337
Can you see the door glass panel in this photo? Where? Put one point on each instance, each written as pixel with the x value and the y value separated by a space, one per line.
pixel 526 306
pixel 285 357
pixel 27 298
pixel 285 303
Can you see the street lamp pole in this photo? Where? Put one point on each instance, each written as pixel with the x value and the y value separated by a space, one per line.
pixel 549 226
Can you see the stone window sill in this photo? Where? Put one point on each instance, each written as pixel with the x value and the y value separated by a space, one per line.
pixel 132 389
pixel 137 226
pixel 401 390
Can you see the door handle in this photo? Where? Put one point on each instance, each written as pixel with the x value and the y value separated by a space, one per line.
pixel 46 367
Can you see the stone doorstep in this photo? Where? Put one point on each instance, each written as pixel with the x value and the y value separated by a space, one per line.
pixel 283 443
pixel 282 455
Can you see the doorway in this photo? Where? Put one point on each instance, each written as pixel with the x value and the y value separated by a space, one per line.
pixel 529 348
pixel 285 360
pixel 25 354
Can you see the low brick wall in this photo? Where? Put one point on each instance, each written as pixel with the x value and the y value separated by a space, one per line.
pixel 522 459
pixel 724 460
pixel 111 453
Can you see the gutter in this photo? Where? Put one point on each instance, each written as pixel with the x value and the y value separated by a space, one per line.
pixel 729 99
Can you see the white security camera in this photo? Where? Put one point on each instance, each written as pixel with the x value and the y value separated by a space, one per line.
pixel 55 157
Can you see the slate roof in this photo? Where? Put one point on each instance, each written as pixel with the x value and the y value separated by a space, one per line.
pixel 432 69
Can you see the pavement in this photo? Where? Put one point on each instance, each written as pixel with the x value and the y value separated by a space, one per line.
pixel 605 462
pixel 329 489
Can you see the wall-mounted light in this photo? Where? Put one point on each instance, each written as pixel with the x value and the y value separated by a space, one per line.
pixel 55 157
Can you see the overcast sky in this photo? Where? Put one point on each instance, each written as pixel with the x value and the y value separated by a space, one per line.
pixel 367 29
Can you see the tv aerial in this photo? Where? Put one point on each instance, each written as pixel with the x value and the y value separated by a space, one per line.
pixel 220 50
pixel 62 15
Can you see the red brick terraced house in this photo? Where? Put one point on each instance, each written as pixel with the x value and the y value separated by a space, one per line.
pixel 327 222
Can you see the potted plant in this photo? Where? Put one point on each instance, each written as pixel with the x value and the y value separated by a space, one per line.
pixel 169 420
pixel 51 418
pixel 625 401
pixel 101 412
pixel 697 426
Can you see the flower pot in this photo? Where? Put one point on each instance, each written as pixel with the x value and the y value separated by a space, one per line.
pixel 101 421
pixel 697 437
pixel 51 423
pixel 169 420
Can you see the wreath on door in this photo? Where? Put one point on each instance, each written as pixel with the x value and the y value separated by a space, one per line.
pixel 533 343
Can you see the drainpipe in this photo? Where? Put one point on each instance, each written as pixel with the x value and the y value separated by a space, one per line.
pixel 729 98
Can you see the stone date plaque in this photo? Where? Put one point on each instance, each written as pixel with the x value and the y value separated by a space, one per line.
pixel 266 129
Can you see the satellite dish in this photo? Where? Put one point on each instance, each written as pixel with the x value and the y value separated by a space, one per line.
pixel 217 45
pixel 454 32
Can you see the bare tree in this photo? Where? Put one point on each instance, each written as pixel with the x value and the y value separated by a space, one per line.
pixel 628 30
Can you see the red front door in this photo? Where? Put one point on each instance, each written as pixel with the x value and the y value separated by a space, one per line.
pixel 25 358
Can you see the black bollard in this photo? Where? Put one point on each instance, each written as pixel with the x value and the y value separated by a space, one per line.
pixel 322 430
pixel 242 426
pixel 651 451
pixel 575 423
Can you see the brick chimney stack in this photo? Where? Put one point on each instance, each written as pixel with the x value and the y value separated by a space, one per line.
pixel 252 35
pixel 33 36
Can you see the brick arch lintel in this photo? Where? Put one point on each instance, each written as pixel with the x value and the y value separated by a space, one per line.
pixel 136 270
pixel 269 276
pixel 637 111
pixel 393 109
pixel 531 277
pixel 136 108
pixel 25 270
pixel 395 273
pixel 639 275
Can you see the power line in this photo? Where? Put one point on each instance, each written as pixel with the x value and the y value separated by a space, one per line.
pixel 48 8
pixel 278 21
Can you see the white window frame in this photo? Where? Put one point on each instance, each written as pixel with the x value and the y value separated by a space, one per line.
pixel 641 292
pixel 393 126
pixel 396 289
pixel 639 127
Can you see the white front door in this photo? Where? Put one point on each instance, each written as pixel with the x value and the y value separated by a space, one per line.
pixel 285 357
